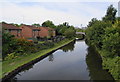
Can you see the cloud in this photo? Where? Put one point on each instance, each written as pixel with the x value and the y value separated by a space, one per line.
pixel 74 13
pixel 38 14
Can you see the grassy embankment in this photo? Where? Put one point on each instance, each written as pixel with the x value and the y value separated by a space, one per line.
pixel 10 65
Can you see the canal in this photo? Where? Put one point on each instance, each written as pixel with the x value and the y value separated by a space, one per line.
pixel 75 61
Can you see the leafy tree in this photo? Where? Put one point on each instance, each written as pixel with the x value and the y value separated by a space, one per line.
pixel 93 21
pixel 118 21
pixel 36 25
pixel 95 33
pixel 69 33
pixel 61 28
pixel 66 24
pixel 17 25
pixel 111 41
pixel 48 23
pixel 110 14
pixel 8 43
pixel 3 22
pixel 79 30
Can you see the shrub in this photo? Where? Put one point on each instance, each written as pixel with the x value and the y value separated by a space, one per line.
pixel 8 44
pixel 23 45
pixel 10 56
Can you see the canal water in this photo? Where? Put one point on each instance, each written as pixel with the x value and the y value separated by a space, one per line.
pixel 75 61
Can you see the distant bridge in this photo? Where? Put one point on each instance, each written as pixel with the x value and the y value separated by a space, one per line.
pixel 83 33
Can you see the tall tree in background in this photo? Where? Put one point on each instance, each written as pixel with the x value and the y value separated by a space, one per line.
pixel 93 21
pixel 62 28
pixel 110 14
pixel 48 23
pixel 36 25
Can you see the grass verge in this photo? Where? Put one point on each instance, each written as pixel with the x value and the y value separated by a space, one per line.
pixel 10 65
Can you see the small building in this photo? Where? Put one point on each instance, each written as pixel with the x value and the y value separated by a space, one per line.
pixel 47 32
pixel 30 32
pixel 13 30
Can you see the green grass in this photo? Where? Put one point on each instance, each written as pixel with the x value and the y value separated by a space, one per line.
pixel 40 42
pixel 10 65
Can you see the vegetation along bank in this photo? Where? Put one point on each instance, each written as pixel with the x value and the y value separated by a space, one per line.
pixel 105 36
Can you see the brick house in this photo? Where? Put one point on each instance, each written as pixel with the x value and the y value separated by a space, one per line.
pixel 30 32
pixel 47 32
pixel 12 29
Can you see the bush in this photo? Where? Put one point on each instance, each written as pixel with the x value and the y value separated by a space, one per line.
pixel 8 44
pixel 113 65
pixel 23 45
pixel 10 56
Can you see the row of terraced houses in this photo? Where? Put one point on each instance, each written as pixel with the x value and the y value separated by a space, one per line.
pixel 28 31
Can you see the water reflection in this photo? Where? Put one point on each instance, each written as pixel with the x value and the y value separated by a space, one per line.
pixel 51 57
pixel 69 47
pixel 94 64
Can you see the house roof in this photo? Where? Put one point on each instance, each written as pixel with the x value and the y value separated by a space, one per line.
pixel 9 26
pixel 31 27
pixel 47 28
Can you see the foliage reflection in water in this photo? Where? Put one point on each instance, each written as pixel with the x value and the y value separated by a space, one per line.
pixel 69 47
pixel 94 64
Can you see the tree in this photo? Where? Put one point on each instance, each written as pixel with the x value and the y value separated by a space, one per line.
pixel 61 28
pixel 8 43
pixel 48 23
pixel 66 24
pixel 69 33
pixel 36 25
pixel 111 41
pixel 93 21
pixel 94 34
pixel 110 14
pixel 79 30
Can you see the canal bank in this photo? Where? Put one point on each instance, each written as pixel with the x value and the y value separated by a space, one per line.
pixel 18 64
pixel 75 61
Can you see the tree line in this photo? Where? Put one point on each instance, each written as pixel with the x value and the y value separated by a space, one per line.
pixel 104 35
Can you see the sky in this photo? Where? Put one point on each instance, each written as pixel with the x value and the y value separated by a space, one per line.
pixel 75 12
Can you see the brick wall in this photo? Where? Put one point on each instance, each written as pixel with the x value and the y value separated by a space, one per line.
pixel 43 32
pixel 26 32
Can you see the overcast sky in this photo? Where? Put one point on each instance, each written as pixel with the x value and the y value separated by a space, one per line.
pixel 75 12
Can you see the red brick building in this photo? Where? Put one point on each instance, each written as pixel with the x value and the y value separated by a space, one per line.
pixel 12 29
pixel 30 31
pixel 47 32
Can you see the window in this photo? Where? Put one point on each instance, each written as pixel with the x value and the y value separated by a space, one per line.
pixel 19 31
